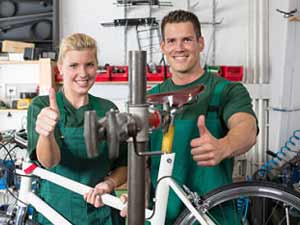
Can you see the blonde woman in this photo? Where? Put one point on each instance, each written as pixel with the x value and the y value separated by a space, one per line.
pixel 55 131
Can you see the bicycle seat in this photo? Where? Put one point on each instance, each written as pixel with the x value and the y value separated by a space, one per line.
pixel 175 98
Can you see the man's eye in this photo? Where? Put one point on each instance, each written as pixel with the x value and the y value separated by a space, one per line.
pixel 90 64
pixel 188 39
pixel 171 41
pixel 73 65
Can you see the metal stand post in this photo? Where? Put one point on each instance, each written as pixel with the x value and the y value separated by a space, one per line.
pixel 139 109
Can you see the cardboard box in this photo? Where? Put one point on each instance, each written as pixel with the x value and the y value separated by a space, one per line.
pixel 47 79
pixel 15 46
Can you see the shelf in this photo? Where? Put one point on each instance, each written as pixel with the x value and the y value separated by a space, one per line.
pixel 117 82
pixel 20 62
pixel 13 110
pixel 24 17
pixel 31 41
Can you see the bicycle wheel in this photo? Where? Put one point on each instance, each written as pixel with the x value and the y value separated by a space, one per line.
pixel 265 204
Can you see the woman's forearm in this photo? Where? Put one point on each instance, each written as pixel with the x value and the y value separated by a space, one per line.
pixel 47 151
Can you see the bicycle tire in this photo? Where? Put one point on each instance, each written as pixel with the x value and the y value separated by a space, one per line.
pixel 261 190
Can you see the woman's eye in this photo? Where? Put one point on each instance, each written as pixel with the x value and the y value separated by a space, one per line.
pixel 171 41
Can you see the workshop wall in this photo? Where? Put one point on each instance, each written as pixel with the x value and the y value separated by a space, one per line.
pixel 231 34
pixel 251 34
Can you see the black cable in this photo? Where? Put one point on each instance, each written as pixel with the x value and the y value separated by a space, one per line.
pixel 14 169
pixel 154 201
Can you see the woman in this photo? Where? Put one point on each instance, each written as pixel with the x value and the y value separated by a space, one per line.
pixel 55 131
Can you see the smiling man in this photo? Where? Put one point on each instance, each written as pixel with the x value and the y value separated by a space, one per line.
pixel 210 132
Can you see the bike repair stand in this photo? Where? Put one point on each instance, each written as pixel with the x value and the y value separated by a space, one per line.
pixel 137 106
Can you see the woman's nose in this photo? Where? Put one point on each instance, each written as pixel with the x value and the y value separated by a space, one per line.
pixel 82 71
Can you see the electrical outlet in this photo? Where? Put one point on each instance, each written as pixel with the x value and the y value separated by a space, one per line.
pixel 11 91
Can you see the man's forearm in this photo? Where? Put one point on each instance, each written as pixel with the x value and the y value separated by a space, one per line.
pixel 118 176
pixel 241 136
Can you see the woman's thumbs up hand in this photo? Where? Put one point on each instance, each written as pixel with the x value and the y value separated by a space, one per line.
pixel 48 117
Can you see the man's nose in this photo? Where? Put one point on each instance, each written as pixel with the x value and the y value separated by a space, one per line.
pixel 179 46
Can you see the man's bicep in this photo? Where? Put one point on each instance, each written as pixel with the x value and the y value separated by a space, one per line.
pixel 240 118
pixel 237 100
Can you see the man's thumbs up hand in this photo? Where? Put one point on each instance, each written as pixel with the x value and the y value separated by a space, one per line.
pixel 206 149
pixel 201 125
pixel 48 117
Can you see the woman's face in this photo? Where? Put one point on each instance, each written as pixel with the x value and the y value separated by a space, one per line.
pixel 79 71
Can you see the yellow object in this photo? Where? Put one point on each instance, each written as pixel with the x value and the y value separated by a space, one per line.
pixel 15 46
pixel 23 103
pixel 167 141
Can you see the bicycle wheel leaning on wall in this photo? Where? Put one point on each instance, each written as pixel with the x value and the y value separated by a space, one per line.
pixel 278 205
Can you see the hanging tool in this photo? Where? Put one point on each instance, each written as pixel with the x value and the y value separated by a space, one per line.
pixel 143 2
pixel 131 22
pixel 287 14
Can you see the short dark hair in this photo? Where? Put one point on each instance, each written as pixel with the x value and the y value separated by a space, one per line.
pixel 181 16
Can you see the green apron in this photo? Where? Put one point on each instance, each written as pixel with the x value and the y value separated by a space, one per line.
pixel 186 171
pixel 77 166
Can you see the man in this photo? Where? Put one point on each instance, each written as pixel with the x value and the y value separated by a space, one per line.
pixel 210 132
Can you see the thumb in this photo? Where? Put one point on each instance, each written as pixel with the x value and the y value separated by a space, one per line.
pixel 52 99
pixel 201 125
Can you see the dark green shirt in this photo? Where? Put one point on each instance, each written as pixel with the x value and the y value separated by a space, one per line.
pixel 235 97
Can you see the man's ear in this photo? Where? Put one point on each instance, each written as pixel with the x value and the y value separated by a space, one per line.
pixel 201 43
pixel 162 47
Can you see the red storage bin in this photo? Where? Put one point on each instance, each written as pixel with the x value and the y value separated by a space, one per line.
pixel 119 73
pixel 232 73
pixel 159 75
pixel 104 75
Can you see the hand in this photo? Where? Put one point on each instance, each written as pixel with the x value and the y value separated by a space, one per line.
pixel 94 196
pixel 48 117
pixel 124 211
pixel 207 150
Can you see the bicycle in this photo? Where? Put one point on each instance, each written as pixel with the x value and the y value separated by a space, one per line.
pixel 198 207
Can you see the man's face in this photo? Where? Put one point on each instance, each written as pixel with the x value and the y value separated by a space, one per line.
pixel 182 48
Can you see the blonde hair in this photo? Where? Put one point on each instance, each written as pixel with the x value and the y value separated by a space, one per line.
pixel 78 42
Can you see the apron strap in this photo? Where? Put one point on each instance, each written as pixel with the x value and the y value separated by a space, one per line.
pixel 214 123
pixel 96 105
pixel 60 103
pixel 215 101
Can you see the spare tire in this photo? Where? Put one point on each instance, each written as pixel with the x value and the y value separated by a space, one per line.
pixel 8 8
pixel 42 30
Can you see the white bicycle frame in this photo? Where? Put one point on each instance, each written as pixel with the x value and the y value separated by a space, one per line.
pixel 165 171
